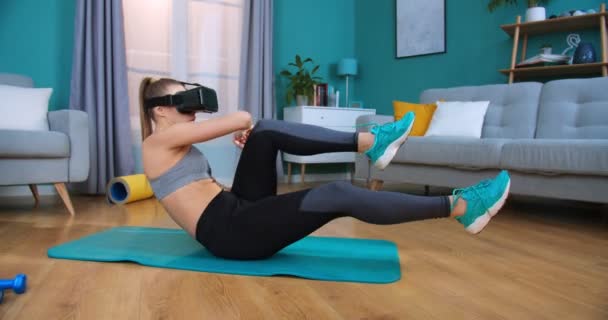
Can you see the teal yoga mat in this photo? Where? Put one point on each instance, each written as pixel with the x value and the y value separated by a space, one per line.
pixel 321 258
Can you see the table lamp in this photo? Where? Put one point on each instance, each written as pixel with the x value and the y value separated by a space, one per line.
pixel 347 67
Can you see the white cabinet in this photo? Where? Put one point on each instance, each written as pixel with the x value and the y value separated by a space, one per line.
pixel 341 119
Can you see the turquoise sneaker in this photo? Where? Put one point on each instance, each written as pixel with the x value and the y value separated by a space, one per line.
pixel 484 200
pixel 389 137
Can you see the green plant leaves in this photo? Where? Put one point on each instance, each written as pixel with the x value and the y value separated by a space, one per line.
pixel 493 4
pixel 301 82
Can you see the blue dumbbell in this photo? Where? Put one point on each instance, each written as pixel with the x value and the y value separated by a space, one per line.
pixel 18 285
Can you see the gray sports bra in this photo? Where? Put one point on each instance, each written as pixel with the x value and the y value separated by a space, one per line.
pixel 192 167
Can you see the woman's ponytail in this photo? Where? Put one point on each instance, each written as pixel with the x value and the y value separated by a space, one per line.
pixel 145 114
pixel 150 88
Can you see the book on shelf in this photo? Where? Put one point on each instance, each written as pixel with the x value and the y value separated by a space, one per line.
pixel 320 94
pixel 544 60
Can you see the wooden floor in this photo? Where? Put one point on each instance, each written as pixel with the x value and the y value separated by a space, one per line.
pixel 536 260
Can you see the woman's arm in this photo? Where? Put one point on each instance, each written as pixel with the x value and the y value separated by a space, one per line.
pixel 188 133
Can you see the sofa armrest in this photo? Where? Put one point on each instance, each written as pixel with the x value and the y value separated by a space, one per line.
pixel 367 119
pixel 75 124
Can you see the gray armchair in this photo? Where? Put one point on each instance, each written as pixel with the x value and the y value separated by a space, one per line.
pixel 57 156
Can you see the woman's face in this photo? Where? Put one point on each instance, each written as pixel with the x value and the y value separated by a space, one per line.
pixel 170 113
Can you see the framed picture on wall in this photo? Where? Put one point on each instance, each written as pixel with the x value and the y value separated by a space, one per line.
pixel 420 28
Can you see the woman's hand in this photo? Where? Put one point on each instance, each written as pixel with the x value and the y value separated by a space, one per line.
pixel 240 138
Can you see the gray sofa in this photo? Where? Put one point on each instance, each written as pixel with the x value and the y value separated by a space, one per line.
pixel 553 139
pixel 57 156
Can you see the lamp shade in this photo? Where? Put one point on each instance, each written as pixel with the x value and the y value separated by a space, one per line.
pixel 347 67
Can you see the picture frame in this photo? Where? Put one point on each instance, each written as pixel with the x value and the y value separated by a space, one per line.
pixel 420 28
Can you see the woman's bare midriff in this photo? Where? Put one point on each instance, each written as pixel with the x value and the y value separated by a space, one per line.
pixel 186 204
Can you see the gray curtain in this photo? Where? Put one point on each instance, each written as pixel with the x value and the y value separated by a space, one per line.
pixel 256 88
pixel 99 87
pixel 256 83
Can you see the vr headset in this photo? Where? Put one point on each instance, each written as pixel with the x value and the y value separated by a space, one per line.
pixel 199 99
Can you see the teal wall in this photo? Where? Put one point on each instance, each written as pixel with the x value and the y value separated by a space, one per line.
pixel 322 30
pixel 319 29
pixel 476 49
pixel 36 39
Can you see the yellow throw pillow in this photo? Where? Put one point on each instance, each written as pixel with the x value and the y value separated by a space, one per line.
pixel 423 112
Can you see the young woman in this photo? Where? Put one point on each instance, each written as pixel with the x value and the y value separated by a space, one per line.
pixel 251 221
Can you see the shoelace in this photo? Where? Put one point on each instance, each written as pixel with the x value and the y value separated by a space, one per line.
pixel 457 193
pixel 387 127
pixel 369 124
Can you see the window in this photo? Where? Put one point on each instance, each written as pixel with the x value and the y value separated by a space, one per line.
pixel 189 40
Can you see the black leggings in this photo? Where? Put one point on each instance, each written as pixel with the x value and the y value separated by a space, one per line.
pixel 253 222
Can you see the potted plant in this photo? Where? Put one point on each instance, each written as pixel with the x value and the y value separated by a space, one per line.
pixel 534 13
pixel 301 81
pixel 546 49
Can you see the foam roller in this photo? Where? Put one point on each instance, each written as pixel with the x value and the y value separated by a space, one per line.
pixel 126 189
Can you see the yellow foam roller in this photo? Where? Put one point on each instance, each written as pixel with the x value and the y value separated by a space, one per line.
pixel 127 189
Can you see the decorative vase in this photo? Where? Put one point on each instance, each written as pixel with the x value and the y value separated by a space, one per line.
pixel 301 100
pixel 536 14
pixel 585 53
pixel 578 13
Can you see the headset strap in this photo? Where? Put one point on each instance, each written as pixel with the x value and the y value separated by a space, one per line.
pixel 168 100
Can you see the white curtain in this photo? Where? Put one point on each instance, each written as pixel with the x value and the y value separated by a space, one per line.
pixel 193 41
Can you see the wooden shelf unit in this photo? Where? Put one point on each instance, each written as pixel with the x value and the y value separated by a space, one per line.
pixel 566 24
pixel 557 70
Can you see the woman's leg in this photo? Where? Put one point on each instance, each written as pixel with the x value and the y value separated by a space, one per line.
pixel 255 176
pixel 256 230
pixel 239 229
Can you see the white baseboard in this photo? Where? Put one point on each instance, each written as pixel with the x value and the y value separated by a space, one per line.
pixel 23 191
pixel 317 177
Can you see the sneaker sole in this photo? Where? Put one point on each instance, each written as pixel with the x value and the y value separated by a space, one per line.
pixel 484 219
pixel 392 148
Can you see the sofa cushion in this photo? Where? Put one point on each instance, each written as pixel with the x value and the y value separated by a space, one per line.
pixel 574 109
pixel 556 156
pixel 423 112
pixel 450 115
pixel 455 152
pixel 512 111
pixel 24 108
pixel 33 144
